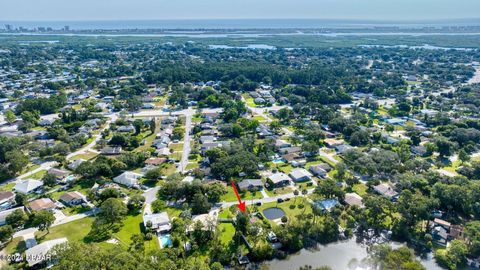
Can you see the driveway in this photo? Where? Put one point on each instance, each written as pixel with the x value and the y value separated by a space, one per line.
pixel 151 194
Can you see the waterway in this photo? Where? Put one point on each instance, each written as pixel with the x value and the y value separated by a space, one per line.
pixel 341 255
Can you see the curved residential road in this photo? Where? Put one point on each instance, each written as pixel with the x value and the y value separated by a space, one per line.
pixel 50 164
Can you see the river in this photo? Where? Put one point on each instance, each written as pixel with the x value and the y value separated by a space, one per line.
pixel 341 255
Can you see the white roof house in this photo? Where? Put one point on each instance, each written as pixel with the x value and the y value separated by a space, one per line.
pixel 160 221
pixel 301 174
pixel 27 186
pixel 74 165
pixel 38 253
pixel 279 178
pixel 4 214
pixel 128 179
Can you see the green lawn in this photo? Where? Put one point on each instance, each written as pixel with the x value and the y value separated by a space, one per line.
pixel 133 224
pixel 16 245
pixel 284 167
pixel 86 156
pixel 249 100
pixel 286 206
pixel 279 191
pixel 192 165
pixel 168 169
pixel 227 231
pixel 328 161
pixel 38 175
pixel 360 189
pixel 259 118
pixel 231 197
pixel 7 187
pixel 176 146
pixel 176 155
pixel 74 231
pixel 29 167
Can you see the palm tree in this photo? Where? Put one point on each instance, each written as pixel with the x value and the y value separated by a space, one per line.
pixel 295 192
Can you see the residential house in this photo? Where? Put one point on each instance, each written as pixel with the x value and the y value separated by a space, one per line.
pixel 386 190
pixel 41 204
pixel 7 199
pixel 290 150
pixel 110 151
pixel 326 205
pixel 300 175
pixel 4 214
pixel 353 199
pixel 319 170
pixel 330 142
pixel 162 152
pixel 27 186
pixel 74 164
pixel 278 179
pixel 39 253
pixel 128 179
pixel 396 121
pixel 73 198
pixel 160 222
pixel 155 161
pixel 342 148
pixel 129 128
pixel 250 184
pixel 59 173
pixel 419 150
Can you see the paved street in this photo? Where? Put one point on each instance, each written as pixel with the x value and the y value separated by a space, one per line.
pixel 186 141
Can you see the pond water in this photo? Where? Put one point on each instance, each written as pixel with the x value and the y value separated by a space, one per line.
pixel 273 213
pixel 341 255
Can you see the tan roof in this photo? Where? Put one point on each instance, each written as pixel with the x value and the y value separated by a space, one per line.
pixel 70 196
pixel 41 204
pixel 332 142
pixel 442 222
pixel 353 199
pixel 155 161
pixel 4 195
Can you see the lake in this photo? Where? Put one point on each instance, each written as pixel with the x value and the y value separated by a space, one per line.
pixel 341 255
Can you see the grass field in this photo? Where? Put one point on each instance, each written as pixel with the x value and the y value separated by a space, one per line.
pixel 291 208
pixel 133 224
pixel 230 196
pixel 176 146
pixel 360 189
pixel 74 231
pixel 227 231
pixel 279 191
pixel 86 156
pixel 38 175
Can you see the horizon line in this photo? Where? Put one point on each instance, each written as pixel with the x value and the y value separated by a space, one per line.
pixel 246 19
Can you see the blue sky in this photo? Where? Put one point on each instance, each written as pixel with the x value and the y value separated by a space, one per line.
pixel 68 10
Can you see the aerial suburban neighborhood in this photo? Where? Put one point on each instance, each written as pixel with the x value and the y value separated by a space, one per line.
pixel 179 153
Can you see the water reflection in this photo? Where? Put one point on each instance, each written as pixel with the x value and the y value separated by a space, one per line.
pixel 342 255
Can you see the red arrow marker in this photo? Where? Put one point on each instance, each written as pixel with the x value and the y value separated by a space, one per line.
pixel 240 205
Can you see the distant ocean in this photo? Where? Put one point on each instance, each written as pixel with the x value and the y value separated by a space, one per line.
pixel 233 24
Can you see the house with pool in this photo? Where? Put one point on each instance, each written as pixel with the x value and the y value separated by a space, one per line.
pixel 159 222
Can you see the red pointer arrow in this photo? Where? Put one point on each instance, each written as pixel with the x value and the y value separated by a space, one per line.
pixel 240 205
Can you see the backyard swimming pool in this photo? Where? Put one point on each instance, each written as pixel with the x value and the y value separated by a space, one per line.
pixel 273 213
pixel 165 240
